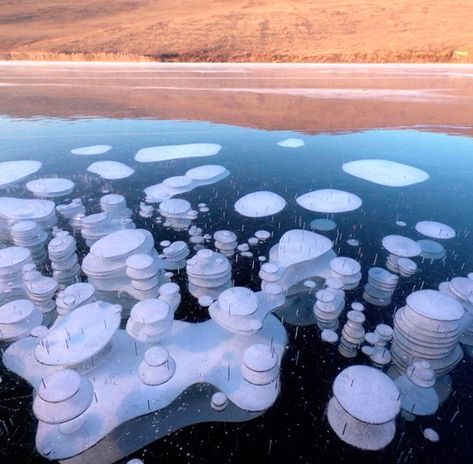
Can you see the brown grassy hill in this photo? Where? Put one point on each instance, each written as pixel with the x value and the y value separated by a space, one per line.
pixel 238 30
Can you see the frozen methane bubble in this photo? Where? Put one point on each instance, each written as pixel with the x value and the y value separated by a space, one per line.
pixel 416 385
pixel 240 310
pixel 115 216
pixel 178 213
pixel 327 308
pixel 262 235
pixel 401 247
pixel 431 435
pixel 353 242
pixel 193 178
pixel 347 270
pixel 205 301
pixel 12 262
pixel 50 187
pixel 74 296
pixel 329 201
pixel 219 401
pixel 175 256
pixel 357 306
pixel 40 290
pixel 253 241
pixel 461 288
pixel 170 152
pixel 82 339
pixel 431 249
pixel 12 172
pixel 299 255
pixel 157 366
pixel 323 225
pixel 30 235
pixel 380 287
pixel 91 150
pixel 435 230
pixel 64 259
pixel 13 210
pixel 363 408
pixel 74 212
pixel 225 242
pixel 111 170
pixel 17 319
pixel 204 353
pixel 260 364
pixel 401 223
pixel 260 204
pixel 385 172
pixel 110 264
pixel 329 336
pixel 291 143
pixel 428 327
pixel 310 284
pixel 146 211
pixel 208 272
pixel 62 396
pixel 353 334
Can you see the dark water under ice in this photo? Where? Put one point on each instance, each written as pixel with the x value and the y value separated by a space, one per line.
pixel 295 429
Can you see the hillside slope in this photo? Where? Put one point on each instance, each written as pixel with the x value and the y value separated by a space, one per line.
pixel 238 30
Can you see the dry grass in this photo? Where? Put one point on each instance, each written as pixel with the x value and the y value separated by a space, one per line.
pixel 238 30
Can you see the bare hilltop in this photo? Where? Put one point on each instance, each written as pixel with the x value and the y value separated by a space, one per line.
pixel 347 31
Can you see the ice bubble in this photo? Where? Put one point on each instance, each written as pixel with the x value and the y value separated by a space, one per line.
pixel 434 229
pixel 385 172
pixel 170 152
pixel 430 324
pixel 291 143
pixel 13 210
pixel 260 204
pixel 219 401
pixel 431 249
pixel 62 396
pixel 89 329
pixel 363 408
pixel 357 306
pixel 196 177
pixel 329 201
pixel 353 242
pixel 262 235
pixel 50 187
pixel 401 246
pixel 205 300
pixel 431 435
pixel 323 225
pixel 91 150
pixel 12 172
pixel 329 336
pixel 111 170
pixel 401 223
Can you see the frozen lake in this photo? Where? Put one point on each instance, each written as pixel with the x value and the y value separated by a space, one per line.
pixel 371 152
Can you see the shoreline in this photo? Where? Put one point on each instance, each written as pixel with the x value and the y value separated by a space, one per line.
pixel 236 64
